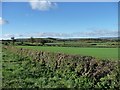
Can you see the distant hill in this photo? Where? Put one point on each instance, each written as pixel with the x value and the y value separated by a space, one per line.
pixel 113 38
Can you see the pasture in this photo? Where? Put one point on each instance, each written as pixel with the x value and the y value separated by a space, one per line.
pixel 100 53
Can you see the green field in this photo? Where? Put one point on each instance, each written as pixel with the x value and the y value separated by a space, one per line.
pixel 101 53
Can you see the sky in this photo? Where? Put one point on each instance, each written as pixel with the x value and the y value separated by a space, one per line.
pixel 59 19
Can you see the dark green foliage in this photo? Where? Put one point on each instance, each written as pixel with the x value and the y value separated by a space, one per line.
pixel 32 40
pixel 13 40
pixel 76 42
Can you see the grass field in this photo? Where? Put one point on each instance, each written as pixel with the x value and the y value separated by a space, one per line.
pixel 101 53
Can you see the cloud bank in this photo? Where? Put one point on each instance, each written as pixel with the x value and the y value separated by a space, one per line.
pixel 84 34
pixel 2 21
pixel 42 5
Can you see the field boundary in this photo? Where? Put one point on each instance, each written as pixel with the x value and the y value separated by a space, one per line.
pixel 82 65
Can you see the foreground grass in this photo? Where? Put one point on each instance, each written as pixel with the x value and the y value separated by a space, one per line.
pixel 20 72
pixel 101 53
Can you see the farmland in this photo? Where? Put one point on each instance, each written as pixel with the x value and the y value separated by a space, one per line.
pixel 59 45
pixel 101 53
pixel 60 64
pixel 20 71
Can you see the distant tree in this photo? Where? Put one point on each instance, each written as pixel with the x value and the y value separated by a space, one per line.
pixel 22 42
pixel 13 40
pixel 42 41
pixel 32 40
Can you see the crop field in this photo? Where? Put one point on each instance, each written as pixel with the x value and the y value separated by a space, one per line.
pixel 101 53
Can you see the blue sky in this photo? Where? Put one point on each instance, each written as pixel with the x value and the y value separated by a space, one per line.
pixel 63 19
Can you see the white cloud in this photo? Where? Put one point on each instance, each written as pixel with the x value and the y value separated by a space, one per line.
pixel 102 32
pixel 42 5
pixel 8 35
pixel 2 21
